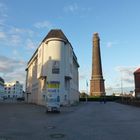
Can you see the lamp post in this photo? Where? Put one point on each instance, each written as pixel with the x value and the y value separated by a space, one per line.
pixel 122 85
pixel 86 89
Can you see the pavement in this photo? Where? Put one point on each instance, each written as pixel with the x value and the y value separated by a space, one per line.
pixel 85 121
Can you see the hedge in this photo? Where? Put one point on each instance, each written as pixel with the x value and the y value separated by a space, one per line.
pixel 97 99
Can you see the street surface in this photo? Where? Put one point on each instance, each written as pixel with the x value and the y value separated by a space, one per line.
pixel 86 121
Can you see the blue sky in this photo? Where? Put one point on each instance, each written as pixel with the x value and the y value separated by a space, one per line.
pixel 24 24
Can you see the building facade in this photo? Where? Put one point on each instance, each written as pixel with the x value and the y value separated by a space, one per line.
pixel 13 90
pixel 1 88
pixel 97 82
pixel 137 83
pixel 53 67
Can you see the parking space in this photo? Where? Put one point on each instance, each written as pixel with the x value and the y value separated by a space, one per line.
pixel 110 121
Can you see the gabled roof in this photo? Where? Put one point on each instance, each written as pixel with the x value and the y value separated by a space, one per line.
pixel 137 71
pixel 55 33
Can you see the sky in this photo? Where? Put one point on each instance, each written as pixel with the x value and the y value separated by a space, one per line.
pixel 24 24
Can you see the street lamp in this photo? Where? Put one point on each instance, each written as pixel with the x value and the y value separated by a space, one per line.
pixel 86 89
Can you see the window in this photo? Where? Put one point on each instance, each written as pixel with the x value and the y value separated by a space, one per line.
pixel 65 97
pixel 67 84
pixel 55 67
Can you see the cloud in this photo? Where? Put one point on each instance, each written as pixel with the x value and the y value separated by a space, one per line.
pixel 9 65
pixel 16 37
pixel 109 88
pixel 17 75
pixel 17 30
pixel 2 35
pixel 10 39
pixel 126 73
pixel 43 24
pixel 71 8
pixel 111 44
pixel 12 36
pixel 15 52
pixel 21 31
pixel 3 10
pixel 126 69
pixel 12 70
pixel 82 76
pixel 76 9
pixel 15 40
pixel 3 13
pixel 30 44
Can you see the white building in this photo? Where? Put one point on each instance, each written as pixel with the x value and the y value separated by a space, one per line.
pixel 53 64
pixel 1 88
pixel 13 89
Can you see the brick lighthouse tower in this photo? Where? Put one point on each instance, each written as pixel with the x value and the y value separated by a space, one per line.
pixel 97 82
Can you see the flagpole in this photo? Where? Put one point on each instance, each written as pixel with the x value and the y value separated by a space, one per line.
pixel 86 89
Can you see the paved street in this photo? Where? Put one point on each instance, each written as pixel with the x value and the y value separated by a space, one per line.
pixel 86 121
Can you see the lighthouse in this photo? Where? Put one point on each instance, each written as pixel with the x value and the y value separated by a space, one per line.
pixel 97 87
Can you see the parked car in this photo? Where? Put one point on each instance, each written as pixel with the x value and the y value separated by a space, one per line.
pixel 4 97
pixel 20 99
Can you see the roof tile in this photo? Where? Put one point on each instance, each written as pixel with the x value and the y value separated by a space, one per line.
pixel 55 33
